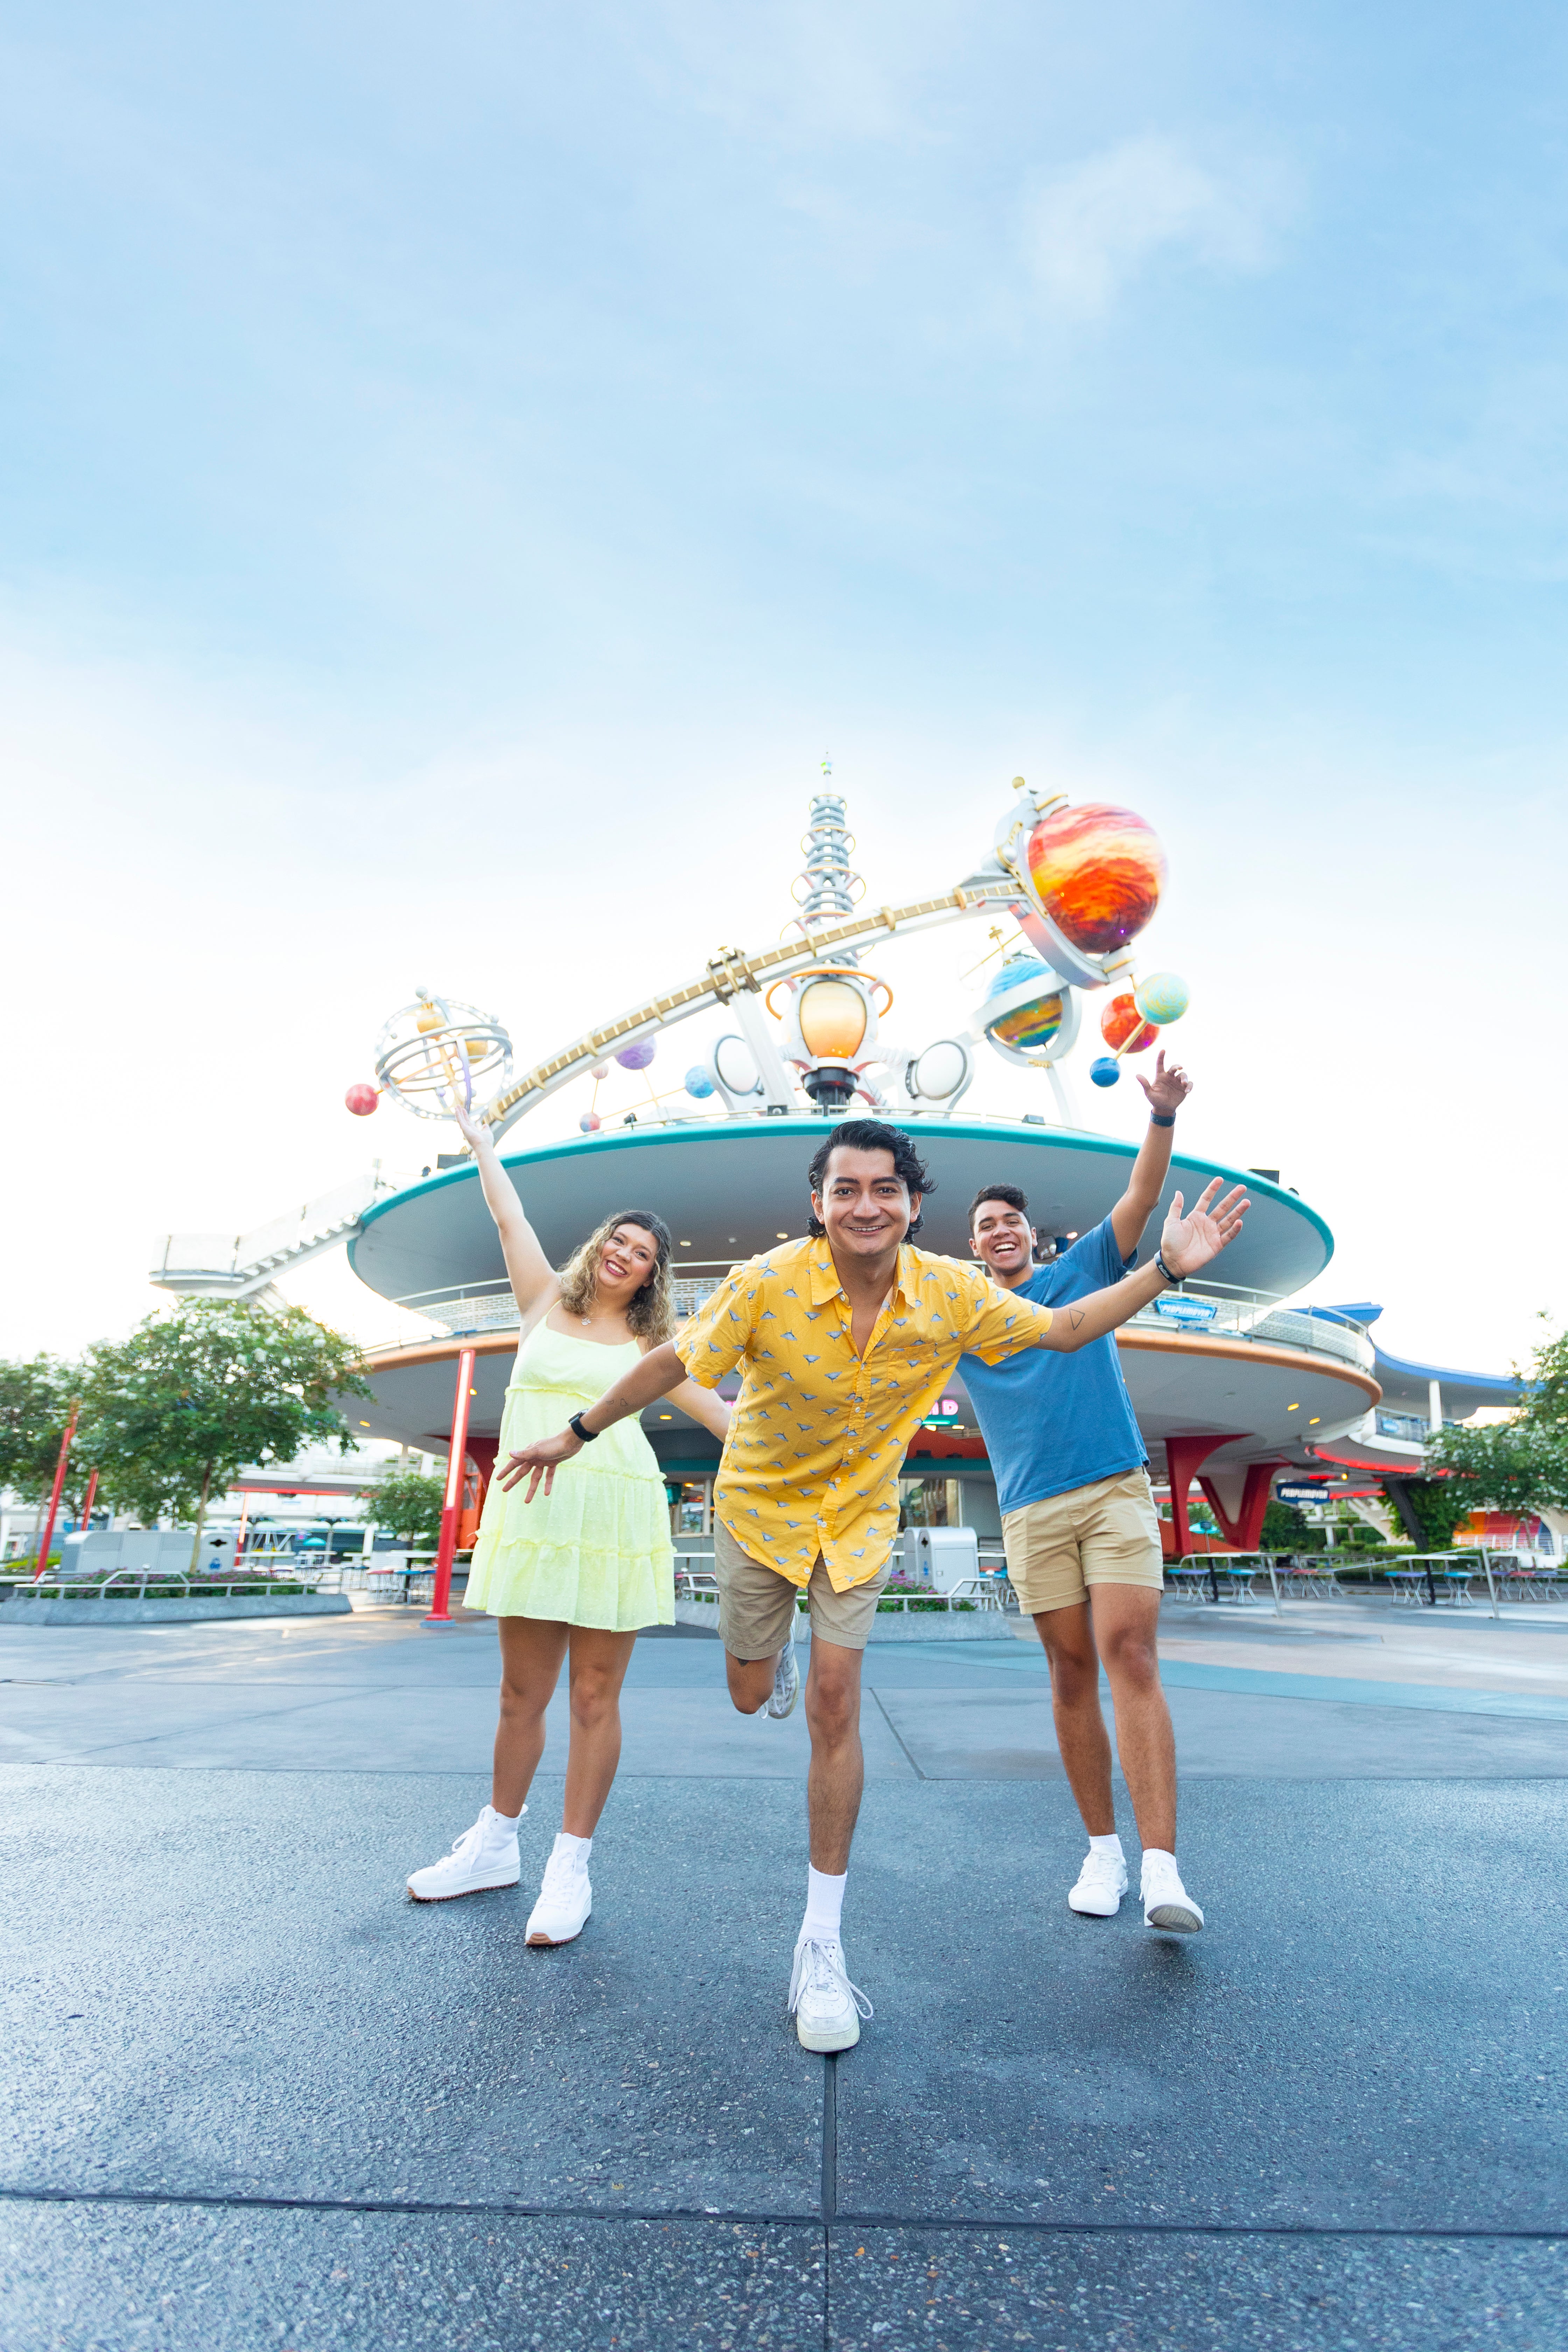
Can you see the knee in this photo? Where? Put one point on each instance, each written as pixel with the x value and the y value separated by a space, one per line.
pixel 593 1702
pixel 1133 1659
pixel 750 1680
pixel 1075 1673
pixel 517 1701
pixel 832 1710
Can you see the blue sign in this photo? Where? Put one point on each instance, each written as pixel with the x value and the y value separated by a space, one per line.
pixel 1297 1494
pixel 1179 1309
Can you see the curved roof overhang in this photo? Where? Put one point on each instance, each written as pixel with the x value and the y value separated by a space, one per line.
pixel 729 1188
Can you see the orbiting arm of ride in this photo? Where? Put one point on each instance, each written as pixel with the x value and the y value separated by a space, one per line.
pixel 1167 1090
pixel 529 1271
pixel 1186 1245
pixel 655 1375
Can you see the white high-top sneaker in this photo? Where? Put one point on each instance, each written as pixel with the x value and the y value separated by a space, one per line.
pixel 787 1678
pixel 483 1857
pixel 825 2006
pixel 565 1897
pixel 1102 1884
pixel 1166 1903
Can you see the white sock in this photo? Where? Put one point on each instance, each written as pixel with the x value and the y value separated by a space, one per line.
pixel 1111 1844
pixel 1157 1853
pixel 579 1849
pixel 823 1907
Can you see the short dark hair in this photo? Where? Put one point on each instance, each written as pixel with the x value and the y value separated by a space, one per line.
pixel 869 1135
pixel 1007 1193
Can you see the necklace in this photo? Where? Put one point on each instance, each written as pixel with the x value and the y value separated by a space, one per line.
pixel 587 1321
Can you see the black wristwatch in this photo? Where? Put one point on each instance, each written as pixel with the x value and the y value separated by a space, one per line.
pixel 583 1437
pixel 1175 1280
pixel 1162 1118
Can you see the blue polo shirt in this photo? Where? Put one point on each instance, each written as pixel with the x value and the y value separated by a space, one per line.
pixel 1052 1422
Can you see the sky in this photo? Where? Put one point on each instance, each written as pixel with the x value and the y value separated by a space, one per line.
pixel 460 472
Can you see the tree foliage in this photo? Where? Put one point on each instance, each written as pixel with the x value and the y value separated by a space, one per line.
pixel 410 1503
pixel 1437 1505
pixel 35 1405
pixel 173 1414
pixel 1517 1466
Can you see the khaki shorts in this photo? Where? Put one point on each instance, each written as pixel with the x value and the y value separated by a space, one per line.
pixel 757 1605
pixel 1105 1533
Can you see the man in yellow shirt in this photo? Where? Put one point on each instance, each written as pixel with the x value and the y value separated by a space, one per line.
pixel 846 1339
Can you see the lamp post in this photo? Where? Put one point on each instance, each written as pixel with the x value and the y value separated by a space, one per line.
pixel 452 1508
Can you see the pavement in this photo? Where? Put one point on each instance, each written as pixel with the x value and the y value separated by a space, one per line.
pixel 257 2099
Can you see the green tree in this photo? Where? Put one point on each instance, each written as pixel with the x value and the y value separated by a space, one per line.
pixel 1437 1505
pixel 408 1502
pixel 174 1413
pixel 1284 1529
pixel 35 1405
pixel 1519 1465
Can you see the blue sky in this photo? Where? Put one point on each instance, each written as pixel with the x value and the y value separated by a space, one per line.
pixel 459 470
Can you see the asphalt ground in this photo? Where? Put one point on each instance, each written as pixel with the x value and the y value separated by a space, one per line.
pixel 257 2099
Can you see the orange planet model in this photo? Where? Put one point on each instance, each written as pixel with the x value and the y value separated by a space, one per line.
pixel 1124 1027
pixel 1096 871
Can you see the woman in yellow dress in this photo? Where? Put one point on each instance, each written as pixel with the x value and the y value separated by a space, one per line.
pixel 574 1574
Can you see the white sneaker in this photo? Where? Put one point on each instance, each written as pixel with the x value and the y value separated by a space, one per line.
pixel 565 1900
pixel 825 2006
pixel 1166 1903
pixel 483 1857
pixel 787 1678
pixel 1102 1884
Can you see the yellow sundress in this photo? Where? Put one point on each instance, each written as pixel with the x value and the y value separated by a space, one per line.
pixel 596 1550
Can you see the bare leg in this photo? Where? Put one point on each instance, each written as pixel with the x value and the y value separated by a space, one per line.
pixel 838 1765
pixel 599 1662
pixel 531 1648
pixel 751 1681
pixel 1069 1641
pixel 1126 1626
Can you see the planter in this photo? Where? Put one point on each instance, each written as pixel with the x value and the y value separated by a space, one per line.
pixel 21 1610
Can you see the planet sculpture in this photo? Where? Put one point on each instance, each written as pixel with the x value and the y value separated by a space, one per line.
pixel 1096 871
pixel 361 1099
pixel 590 1122
pixel 1035 1023
pixel 699 1084
pixel 1163 997
pixel 1106 1071
pixel 638 1057
pixel 1124 1027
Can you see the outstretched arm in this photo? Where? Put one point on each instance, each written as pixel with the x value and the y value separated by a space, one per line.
pixel 529 1271
pixel 1167 1090
pixel 1186 1245
pixel 658 1372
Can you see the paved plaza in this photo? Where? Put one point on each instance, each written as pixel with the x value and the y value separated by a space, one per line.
pixel 259 2099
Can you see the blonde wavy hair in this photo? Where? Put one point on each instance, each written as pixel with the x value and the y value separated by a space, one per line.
pixel 651 1315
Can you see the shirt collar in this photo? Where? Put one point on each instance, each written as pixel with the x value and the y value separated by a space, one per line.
pixel 826 1285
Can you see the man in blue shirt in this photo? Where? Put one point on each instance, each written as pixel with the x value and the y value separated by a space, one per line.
pixel 1078 1521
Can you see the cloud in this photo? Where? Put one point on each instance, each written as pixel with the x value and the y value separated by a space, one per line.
pixel 1093 227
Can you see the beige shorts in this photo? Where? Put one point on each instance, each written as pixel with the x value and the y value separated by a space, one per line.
pixel 756 1604
pixel 1105 1533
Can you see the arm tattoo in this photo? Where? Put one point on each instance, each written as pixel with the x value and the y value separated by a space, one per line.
pixel 1076 1316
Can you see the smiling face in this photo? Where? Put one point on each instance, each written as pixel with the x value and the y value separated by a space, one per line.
pixel 628 1257
pixel 865 1203
pixel 1003 1240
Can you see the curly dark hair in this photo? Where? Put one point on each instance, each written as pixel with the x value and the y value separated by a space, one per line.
pixel 869 1135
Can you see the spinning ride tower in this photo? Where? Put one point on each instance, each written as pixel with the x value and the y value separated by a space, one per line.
pixel 1230 1384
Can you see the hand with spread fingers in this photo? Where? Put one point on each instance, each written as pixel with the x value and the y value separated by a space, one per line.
pixel 1168 1089
pixel 1188 1243
pixel 542 1460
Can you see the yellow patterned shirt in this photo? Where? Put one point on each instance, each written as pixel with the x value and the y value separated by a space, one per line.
pixel 819 1433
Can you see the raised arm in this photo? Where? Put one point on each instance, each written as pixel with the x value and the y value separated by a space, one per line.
pixel 1186 1245
pixel 534 1282
pixel 1167 1090
pixel 658 1372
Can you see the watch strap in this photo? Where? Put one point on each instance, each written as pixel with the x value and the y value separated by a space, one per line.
pixel 583 1437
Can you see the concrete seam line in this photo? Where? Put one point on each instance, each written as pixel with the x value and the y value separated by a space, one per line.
pixel 986 2224
pixel 897 1735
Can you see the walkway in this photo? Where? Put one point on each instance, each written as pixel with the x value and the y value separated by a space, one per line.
pixel 260 2100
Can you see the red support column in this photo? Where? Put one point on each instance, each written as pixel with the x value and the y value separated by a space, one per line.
pixel 1183 1457
pixel 55 1493
pixel 1244 1531
pixel 452 1505
pixel 91 1496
